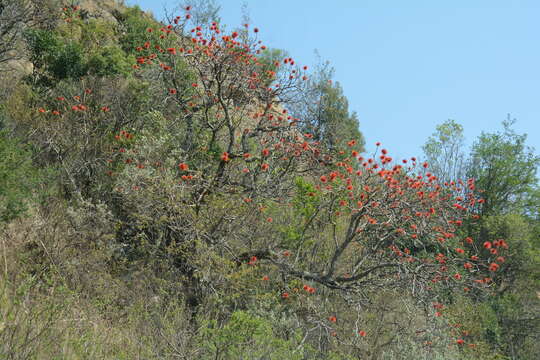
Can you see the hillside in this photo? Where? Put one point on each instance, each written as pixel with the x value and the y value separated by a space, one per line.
pixel 176 191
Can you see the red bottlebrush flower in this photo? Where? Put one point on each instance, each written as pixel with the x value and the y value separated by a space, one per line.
pixel 253 259
pixel 234 35
pixel 457 276
pixel 265 152
pixel 487 245
pixel 269 219
pixel 194 85
pixel 264 167
pixel 265 278
pixel 225 157
pixel 311 290
pixel 75 108
pixel 493 251
pixel 500 259
pixel 285 295
pixel 183 166
pixel 460 251
pixel 467 265
pixel 172 91
pixel 460 341
pixel 286 253
pixel 493 267
pixel 332 319
pixel 42 110
pixel 362 333
pixel 474 258
pixel 56 112
pixel 323 179
pixel 247 155
pixel 469 240
pixel 149 30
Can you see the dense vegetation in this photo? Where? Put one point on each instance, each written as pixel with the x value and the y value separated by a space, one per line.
pixel 180 191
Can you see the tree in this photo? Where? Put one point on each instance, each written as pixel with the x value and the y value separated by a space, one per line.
pixel 324 111
pixel 444 152
pixel 504 169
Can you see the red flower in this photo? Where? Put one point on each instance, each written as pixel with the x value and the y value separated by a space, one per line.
pixel 493 267
pixel 457 276
pixel 225 156
pixel 323 179
pixel 265 152
pixel 362 333
pixel 460 341
pixel 264 167
pixel 183 167
pixel 460 251
pixel 256 30
pixel 487 245
pixel 285 295
pixel 172 91
pixel 265 278
pixel 332 319
pixel 234 35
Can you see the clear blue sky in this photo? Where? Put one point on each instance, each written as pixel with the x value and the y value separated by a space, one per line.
pixel 406 66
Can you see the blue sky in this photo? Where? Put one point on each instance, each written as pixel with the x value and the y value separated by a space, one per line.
pixel 406 66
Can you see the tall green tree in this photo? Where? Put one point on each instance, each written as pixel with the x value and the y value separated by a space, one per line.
pixel 505 171
pixel 324 111
pixel 444 152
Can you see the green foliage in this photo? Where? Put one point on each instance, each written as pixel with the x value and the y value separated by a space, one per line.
pixel 444 152
pixel 504 169
pixel 246 336
pixel 17 177
pixel 110 60
pixel 60 59
pixel 324 111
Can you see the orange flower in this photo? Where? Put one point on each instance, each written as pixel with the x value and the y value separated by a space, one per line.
pixel 285 295
pixel 183 167
pixel 225 156
pixel 264 167
pixel 265 278
pixel 493 267
pixel 332 319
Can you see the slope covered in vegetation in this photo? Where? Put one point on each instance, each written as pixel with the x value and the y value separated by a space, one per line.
pixel 181 191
